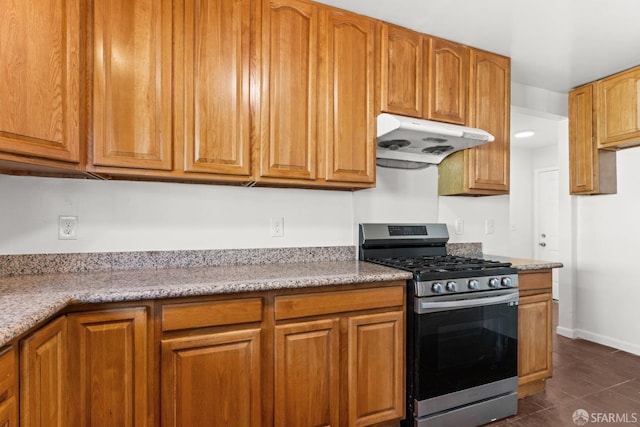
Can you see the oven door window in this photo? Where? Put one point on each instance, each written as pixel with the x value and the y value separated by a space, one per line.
pixel 463 348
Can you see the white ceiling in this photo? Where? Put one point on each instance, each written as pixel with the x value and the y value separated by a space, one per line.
pixel 553 44
pixel 546 129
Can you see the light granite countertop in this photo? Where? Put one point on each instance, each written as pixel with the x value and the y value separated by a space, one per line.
pixel 524 264
pixel 28 300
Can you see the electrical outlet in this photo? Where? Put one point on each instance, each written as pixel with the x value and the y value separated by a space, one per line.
pixel 67 228
pixel 488 226
pixel 277 227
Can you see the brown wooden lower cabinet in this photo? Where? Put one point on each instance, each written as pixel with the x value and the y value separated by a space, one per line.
pixel 375 369
pixel 212 379
pixel 339 357
pixel 8 387
pixel 307 369
pixel 534 331
pixel 43 373
pixel 332 357
pixel 109 369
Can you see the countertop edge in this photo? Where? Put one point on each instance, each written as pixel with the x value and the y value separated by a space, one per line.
pixel 29 301
pixel 525 264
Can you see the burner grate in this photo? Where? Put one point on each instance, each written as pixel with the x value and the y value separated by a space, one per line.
pixel 439 264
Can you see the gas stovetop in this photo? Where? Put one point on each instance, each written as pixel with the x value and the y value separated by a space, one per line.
pixel 421 249
pixel 439 267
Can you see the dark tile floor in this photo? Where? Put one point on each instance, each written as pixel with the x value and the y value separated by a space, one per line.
pixel 602 381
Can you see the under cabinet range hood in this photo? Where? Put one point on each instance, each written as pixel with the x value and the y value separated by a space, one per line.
pixel 410 143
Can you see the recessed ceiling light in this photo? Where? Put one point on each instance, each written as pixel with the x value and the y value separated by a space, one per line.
pixel 524 134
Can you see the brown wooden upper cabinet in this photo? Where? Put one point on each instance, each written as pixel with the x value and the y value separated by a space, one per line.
pixel 618 110
pixel 423 76
pixel 347 98
pixel 484 169
pixel 401 71
pixel 289 90
pixel 267 92
pixel 592 171
pixel 171 89
pixel 446 92
pixel 214 134
pixel 132 102
pixel 40 88
pixel 317 110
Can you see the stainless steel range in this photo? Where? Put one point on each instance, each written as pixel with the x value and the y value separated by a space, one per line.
pixel 462 326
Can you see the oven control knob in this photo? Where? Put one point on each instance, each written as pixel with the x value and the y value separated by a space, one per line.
pixel 494 283
pixel 437 288
pixel 506 282
pixel 452 287
pixel 473 284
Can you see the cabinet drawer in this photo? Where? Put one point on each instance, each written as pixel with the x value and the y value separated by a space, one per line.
pixel 7 373
pixel 212 313
pixel 320 303
pixel 534 280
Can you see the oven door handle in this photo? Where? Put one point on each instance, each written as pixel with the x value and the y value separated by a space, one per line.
pixel 424 305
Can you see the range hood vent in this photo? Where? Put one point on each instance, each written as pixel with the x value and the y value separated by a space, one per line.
pixel 410 143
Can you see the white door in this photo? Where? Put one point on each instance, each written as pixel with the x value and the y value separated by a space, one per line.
pixel 546 239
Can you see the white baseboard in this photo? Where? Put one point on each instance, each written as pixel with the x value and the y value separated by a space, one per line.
pixel 600 339
pixel 566 332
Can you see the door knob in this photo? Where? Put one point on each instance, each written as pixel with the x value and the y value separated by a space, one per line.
pixel 543 244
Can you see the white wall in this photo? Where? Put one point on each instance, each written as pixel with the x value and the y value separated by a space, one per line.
pixel 546 157
pixel 399 196
pixel 524 163
pixel 607 243
pixel 132 216
pixel 521 203
pixel 474 212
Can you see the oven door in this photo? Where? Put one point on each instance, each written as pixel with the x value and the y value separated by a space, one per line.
pixel 465 349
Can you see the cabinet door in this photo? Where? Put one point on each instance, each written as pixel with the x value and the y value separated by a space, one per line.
pixel 582 151
pixel 9 387
pixel 618 109
pixel 490 86
pixel 40 84
pixel 109 368
pixel 534 338
pixel 43 376
pixel 446 93
pixel 348 73
pixel 401 71
pixel 307 370
pixel 212 380
pixel 216 86
pixel 132 42
pixel 376 388
pixel 289 89
pixel 592 171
